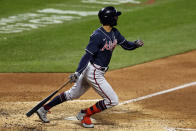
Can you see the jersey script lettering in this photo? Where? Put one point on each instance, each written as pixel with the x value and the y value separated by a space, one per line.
pixel 109 46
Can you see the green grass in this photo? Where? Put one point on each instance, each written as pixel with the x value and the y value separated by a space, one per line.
pixel 167 27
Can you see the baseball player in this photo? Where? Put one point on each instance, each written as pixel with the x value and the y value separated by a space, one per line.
pixel 92 67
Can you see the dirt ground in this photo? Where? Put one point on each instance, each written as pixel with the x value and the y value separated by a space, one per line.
pixel 173 111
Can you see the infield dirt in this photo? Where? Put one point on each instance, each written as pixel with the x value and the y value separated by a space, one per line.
pixel 19 92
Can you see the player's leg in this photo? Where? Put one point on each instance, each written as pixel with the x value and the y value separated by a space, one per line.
pixel 104 89
pixel 78 89
pixel 99 83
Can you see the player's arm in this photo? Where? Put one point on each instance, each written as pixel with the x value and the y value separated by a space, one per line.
pixel 127 45
pixel 82 65
pixel 84 62
pixel 91 49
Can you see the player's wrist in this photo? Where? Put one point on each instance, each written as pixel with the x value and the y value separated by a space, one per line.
pixel 77 74
pixel 74 77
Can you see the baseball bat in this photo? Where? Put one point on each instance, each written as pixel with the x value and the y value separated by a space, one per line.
pixel 40 104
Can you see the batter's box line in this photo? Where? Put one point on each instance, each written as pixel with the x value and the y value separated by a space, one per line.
pixel 179 129
pixel 144 97
pixel 158 93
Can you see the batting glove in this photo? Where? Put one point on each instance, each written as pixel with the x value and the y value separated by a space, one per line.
pixel 139 43
pixel 74 77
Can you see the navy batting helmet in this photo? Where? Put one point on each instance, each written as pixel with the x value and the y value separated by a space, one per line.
pixel 109 16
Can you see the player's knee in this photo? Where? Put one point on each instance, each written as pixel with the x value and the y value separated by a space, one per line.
pixel 115 102
pixel 71 96
pixel 111 102
pixel 75 97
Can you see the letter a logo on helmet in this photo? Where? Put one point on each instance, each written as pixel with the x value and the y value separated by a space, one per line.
pixel 109 16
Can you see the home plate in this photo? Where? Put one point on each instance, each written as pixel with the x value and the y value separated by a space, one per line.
pixel 73 118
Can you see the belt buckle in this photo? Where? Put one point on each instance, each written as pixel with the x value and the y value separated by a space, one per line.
pixel 100 68
pixel 104 69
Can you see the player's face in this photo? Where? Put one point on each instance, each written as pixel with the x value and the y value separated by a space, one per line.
pixel 116 18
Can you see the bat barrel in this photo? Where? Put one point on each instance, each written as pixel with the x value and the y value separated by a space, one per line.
pixel 39 105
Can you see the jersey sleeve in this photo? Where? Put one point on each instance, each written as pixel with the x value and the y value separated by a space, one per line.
pixel 121 39
pixel 128 45
pixel 93 45
pixel 84 62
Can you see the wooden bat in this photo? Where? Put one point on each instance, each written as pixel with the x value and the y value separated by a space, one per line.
pixel 40 104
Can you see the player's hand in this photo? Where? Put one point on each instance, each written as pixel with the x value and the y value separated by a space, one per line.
pixel 139 43
pixel 74 77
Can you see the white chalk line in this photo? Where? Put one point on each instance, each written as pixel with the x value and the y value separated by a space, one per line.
pixel 144 97
pixel 181 129
pixel 158 93
pixel 136 99
pixel 73 118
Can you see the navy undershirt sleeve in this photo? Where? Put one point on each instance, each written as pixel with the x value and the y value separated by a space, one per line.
pixel 127 45
pixel 84 62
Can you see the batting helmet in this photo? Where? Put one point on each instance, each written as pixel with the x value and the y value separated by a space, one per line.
pixel 109 16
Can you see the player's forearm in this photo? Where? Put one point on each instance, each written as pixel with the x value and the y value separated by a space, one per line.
pixel 84 62
pixel 127 45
